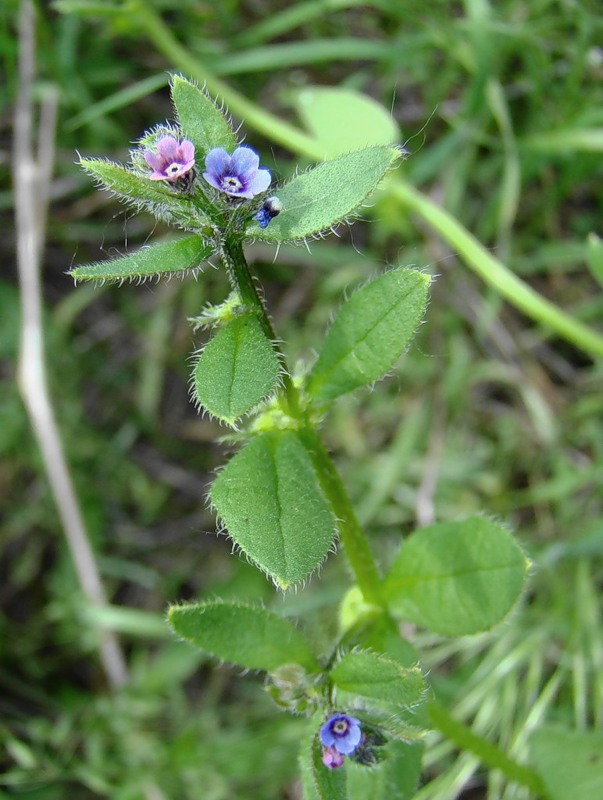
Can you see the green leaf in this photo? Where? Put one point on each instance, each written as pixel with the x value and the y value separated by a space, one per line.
pixel 236 370
pixel 343 120
pixel 370 333
pixel 160 200
pixel 595 257
pixel 569 762
pixel 158 259
pixel 269 498
pixel 200 119
pixel 401 768
pixel 320 782
pixel 457 578
pixel 316 200
pixel 240 634
pixel 365 679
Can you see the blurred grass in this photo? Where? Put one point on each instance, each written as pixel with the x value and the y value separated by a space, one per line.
pixel 500 105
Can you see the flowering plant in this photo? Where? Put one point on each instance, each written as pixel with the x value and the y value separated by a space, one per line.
pixel 280 497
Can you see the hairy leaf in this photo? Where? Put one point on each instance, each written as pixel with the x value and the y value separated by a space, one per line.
pixel 202 122
pixel 320 198
pixel 369 334
pixel 457 578
pixel 158 259
pixel 273 507
pixel 249 636
pixel 362 678
pixel 236 370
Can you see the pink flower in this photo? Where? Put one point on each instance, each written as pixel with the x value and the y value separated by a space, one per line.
pixel 172 161
pixel 332 758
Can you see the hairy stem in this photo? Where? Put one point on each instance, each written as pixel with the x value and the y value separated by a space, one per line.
pixel 352 536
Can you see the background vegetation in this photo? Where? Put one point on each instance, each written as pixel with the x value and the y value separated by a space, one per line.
pixel 501 108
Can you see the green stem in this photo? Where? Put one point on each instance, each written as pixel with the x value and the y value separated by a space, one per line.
pixel 488 753
pixel 352 535
pixel 492 271
pixel 233 257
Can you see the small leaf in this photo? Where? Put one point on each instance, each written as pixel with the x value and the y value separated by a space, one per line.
pixel 158 259
pixel 201 120
pixel 370 333
pixel 365 678
pixel 569 762
pixel 273 507
pixel 457 578
pixel 251 637
pixel 316 200
pixel 343 120
pixel 236 370
pixel 320 782
pixel 400 768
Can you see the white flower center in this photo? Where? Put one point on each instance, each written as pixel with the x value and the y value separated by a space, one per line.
pixel 173 169
pixel 231 183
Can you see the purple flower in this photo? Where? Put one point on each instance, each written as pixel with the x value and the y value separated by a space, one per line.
pixel 237 175
pixel 272 208
pixel 172 161
pixel 341 732
pixel 331 758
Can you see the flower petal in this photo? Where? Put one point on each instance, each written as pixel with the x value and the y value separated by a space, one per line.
pixel 186 152
pixel 260 182
pixel 209 177
pixel 167 147
pixel 217 163
pixel 244 160
pixel 154 160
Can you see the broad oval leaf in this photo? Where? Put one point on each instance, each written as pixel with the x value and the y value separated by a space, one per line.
pixel 343 120
pixel 365 679
pixel 569 762
pixel 202 122
pixel 269 498
pixel 457 578
pixel 249 636
pixel 320 198
pixel 236 370
pixel 369 334
pixel 158 259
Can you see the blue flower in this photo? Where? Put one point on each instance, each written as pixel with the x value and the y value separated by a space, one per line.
pixel 272 208
pixel 341 732
pixel 237 175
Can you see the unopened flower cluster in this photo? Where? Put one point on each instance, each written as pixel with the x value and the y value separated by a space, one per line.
pixel 238 176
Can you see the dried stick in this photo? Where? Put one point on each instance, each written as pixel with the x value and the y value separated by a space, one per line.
pixel 31 182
